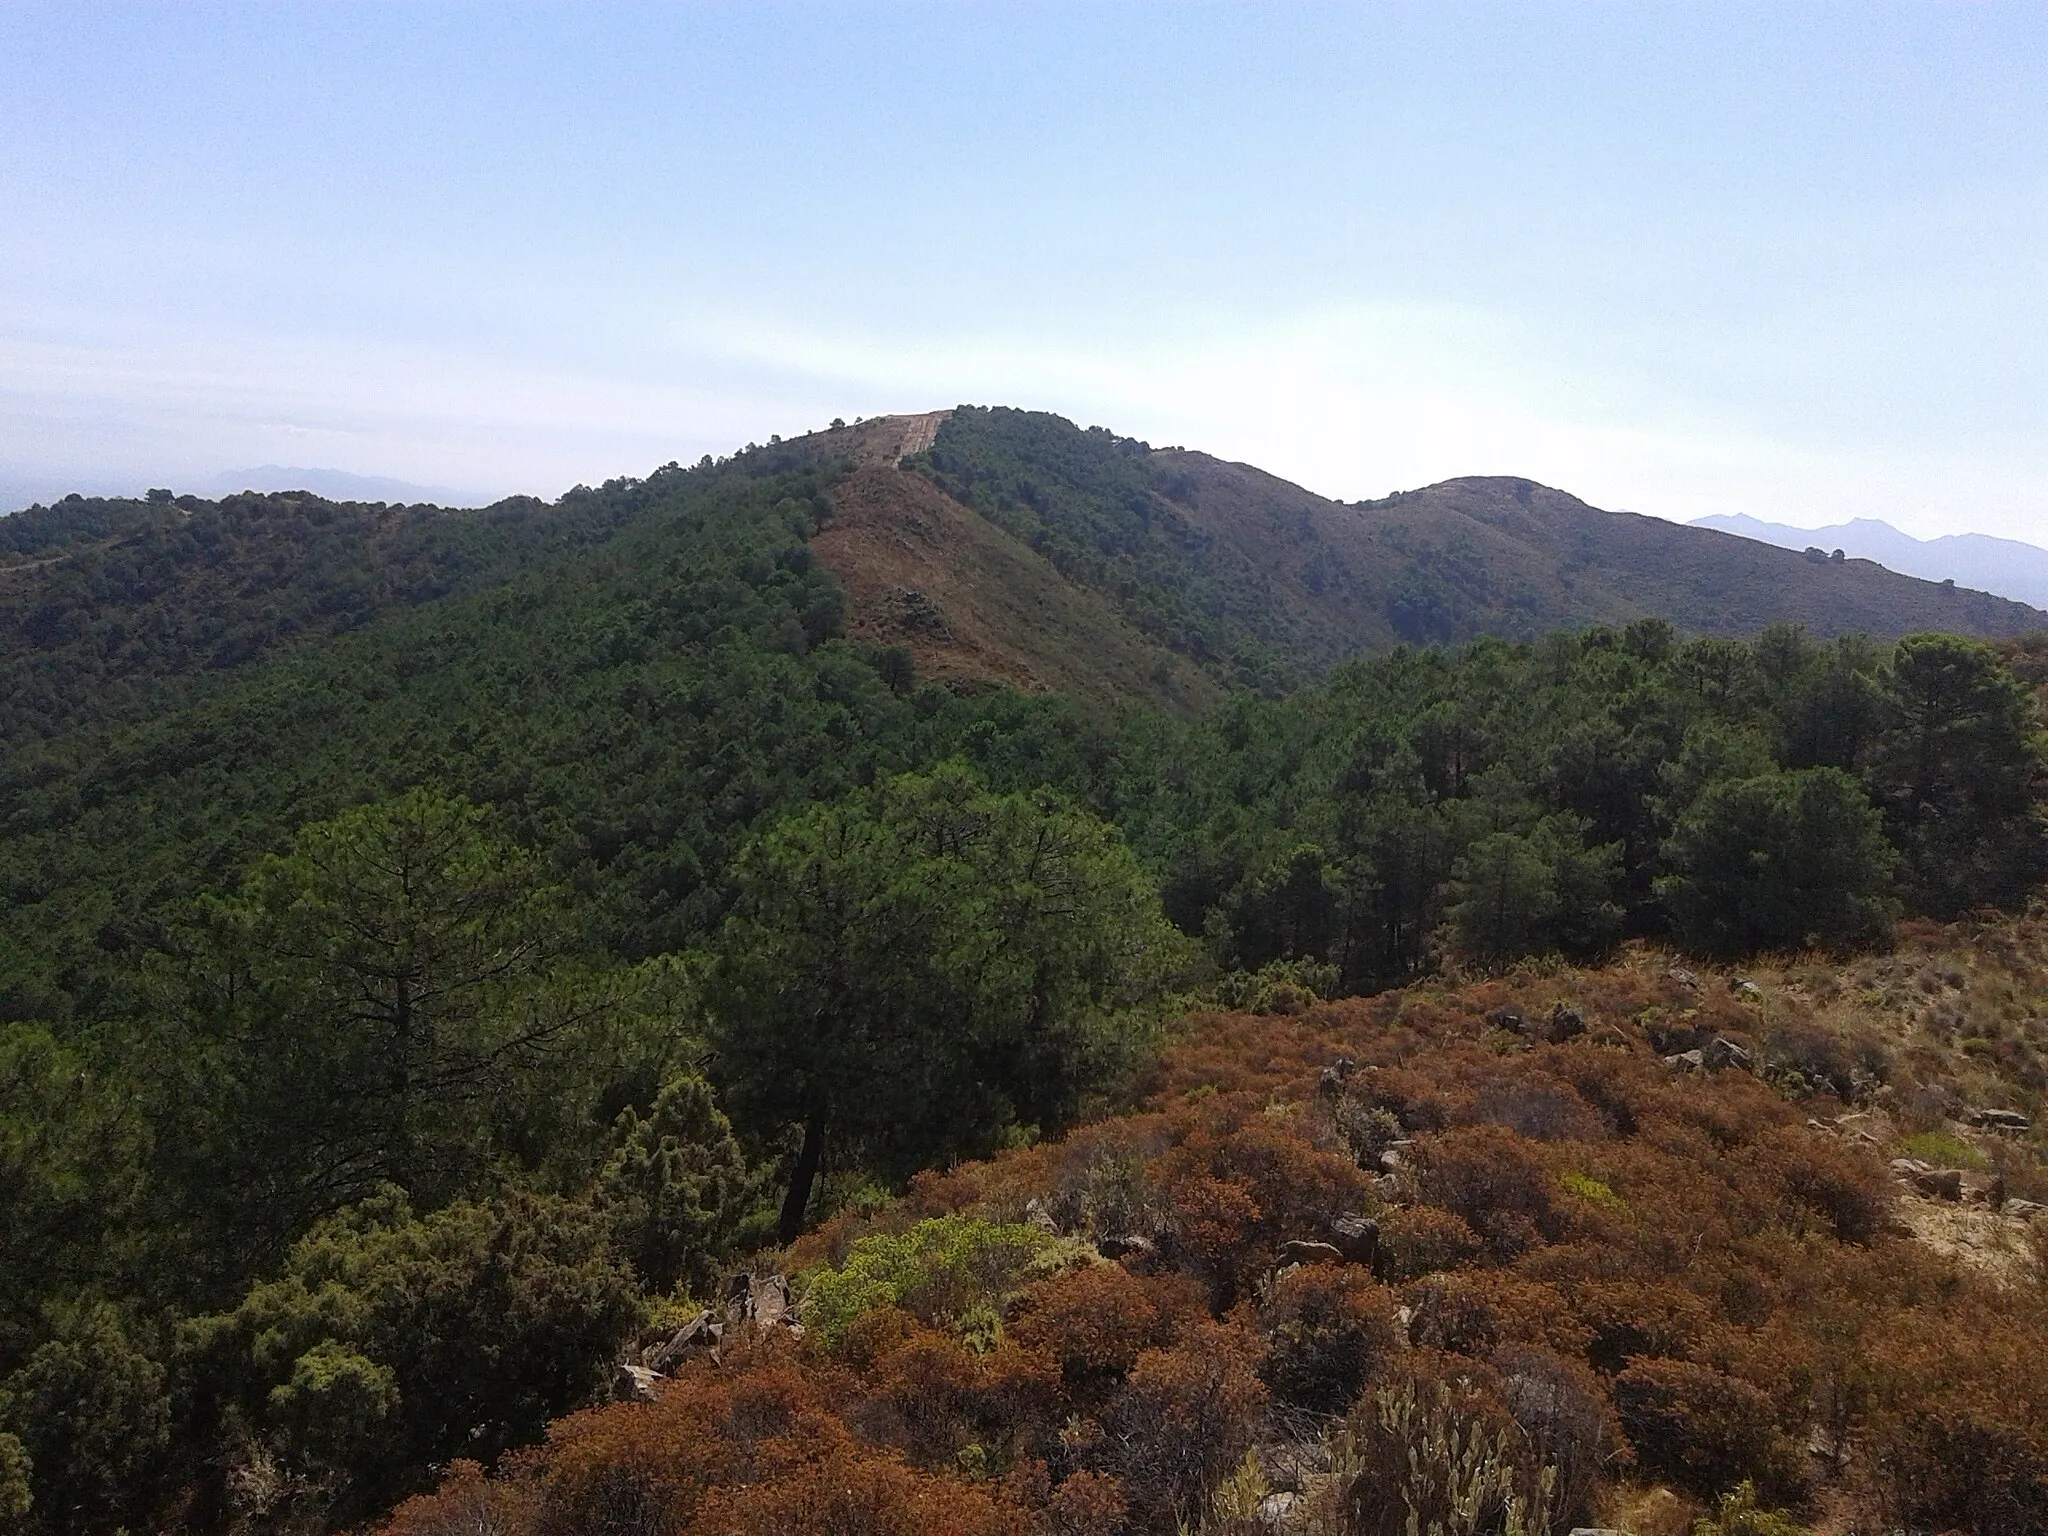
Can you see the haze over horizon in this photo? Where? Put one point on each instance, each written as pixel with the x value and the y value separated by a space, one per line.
pixel 1782 262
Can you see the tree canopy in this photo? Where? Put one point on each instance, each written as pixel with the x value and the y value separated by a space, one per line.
pixel 929 966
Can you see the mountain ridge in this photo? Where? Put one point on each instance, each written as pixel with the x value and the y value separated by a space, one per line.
pixel 2009 567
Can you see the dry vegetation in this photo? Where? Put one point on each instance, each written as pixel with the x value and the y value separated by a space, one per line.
pixel 974 606
pixel 1607 1287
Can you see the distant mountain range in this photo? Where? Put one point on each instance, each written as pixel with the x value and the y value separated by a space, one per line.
pixel 334 484
pixel 2005 566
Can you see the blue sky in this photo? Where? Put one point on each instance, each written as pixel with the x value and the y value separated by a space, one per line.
pixel 1784 259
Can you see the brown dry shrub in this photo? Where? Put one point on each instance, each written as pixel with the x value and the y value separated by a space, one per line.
pixel 1494 1179
pixel 1420 1239
pixel 1631 1319
pixel 1477 1311
pixel 1414 1100
pixel 851 1493
pixel 942 1397
pixel 1329 1330
pixel 1088 1504
pixel 1700 1429
pixel 1531 1103
pixel 1957 1426
pixel 1818 1173
pixel 1094 1322
pixel 466 1502
pixel 1239 1191
pixel 1567 1422
pixel 1185 1417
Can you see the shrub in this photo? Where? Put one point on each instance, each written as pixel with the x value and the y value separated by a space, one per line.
pixel 1183 1420
pixel 1738 1515
pixel 1492 1178
pixel 939 1271
pixel 1631 1318
pixel 1476 1311
pixel 1426 1461
pixel 1844 1185
pixel 1328 1328
pixel 1567 1422
pixel 1419 1239
pixel 947 1400
pixel 1095 1321
pixel 1696 1427
pixel 1088 1504
pixel 1942 1150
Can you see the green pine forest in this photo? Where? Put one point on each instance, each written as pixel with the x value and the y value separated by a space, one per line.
pixel 435 946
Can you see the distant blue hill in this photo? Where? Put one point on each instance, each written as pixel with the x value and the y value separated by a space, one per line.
pixel 334 484
pixel 2004 566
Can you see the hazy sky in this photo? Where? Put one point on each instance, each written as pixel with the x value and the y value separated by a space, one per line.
pixel 1784 259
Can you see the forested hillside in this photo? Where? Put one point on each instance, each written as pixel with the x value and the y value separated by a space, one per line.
pixel 1268 584
pixel 439 951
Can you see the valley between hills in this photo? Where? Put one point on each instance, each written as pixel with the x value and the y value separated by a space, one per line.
pixel 962 974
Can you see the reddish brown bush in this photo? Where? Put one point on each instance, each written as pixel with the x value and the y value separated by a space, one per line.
pixel 847 1493
pixel 1329 1329
pixel 1629 1318
pixel 1699 1429
pixel 1421 1239
pixel 1567 1423
pixel 1088 1504
pixel 1095 1321
pixel 1184 1418
pixel 1476 1311
pixel 1493 1178
pixel 1958 1419
pixel 1847 1187
pixel 1678 1256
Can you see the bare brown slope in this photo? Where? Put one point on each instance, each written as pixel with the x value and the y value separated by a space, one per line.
pixel 973 605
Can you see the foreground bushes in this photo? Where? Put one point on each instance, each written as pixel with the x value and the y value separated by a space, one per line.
pixel 1589 1270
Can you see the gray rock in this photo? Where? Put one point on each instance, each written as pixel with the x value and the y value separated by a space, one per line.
pixel 635 1384
pixel 1126 1245
pixel 1276 1509
pixel 1747 991
pixel 1508 1019
pixel 2024 1210
pixel 1998 1120
pixel 1566 1024
pixel 1357 1237
pixel 1723 1052
pixel 1684 978
pixel 1035 1214
pixel 770 1300
pixel 695 1334
pixel 1687 1061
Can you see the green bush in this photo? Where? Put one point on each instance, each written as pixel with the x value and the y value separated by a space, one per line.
pixel 1943 1150
pixel 943 1271
pixel 394 1341
pixel 91 1416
